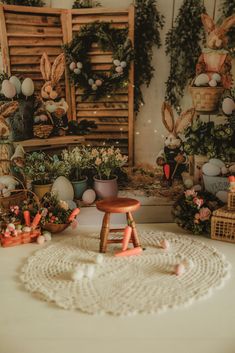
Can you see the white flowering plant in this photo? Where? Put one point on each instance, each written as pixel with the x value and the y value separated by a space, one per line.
pixel 106 161
pixel 78 160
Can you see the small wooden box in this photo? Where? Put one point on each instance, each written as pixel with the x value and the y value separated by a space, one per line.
pixel 223 225
pixel 23 238
pixel 231 201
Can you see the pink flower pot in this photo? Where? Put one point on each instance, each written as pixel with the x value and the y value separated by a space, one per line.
pixel 106 188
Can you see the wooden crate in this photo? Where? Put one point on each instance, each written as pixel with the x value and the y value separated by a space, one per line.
pixel 223 225
pixel 231 201
pixel 26 32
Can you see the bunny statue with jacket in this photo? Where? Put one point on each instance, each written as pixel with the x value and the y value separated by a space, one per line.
pixel 172 157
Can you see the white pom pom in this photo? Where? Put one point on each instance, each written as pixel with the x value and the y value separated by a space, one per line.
pixel 89 271
pixel 78 274
pixel 99 259
pixel 79 65
pixel 77 71
pixel 41 239
pixel 47 236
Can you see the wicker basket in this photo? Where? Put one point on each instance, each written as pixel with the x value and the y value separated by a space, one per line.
pixel 223 225
pixel 23 238
pixel 206 99
pixel 42 131
pixel 14 200
pixel 55 228
pixel 231 201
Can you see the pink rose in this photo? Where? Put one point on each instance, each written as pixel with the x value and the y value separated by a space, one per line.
pixel 198 202
pixel 190 192
pixel 204 214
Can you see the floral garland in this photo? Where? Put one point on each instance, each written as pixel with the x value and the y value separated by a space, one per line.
pixel 96 83
pixel 193 211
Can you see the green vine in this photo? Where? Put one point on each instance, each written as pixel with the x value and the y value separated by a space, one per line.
pixel 85 4
pixel 227 9
pixel 148 22
pixel 34 3
pixel 95 83
pixel 183 48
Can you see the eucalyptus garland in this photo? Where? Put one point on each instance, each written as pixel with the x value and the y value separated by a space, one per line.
pixel 148 22
pixel 183 48
pixel 97 83
pixel 228 9
pixel 37 3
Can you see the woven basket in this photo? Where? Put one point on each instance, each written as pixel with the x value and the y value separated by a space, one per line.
pixel 42 131
pixel 14 200
pixel 231 201
pixel 55 228
pixel 206 99
pixel 23 238
pixel 223 225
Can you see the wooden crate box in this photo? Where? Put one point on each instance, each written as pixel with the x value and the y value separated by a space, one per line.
pixel 223 225
pixel 231 201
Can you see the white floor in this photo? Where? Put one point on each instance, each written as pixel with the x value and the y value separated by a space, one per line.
pixel 28 325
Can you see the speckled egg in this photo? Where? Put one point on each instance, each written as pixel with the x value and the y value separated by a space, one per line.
pixel 89 196
pixel 216 77
pixel 201 80
pixel 212 83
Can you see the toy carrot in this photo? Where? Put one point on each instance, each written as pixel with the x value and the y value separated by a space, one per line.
pixel 130 252
pixel 36 220
pixel 73 214
pixel 126 237
pixel 26 214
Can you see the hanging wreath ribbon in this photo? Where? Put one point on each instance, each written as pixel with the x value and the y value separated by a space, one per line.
pixel 98 83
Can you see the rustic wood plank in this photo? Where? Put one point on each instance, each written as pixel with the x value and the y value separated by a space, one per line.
pixel 21 34
pixel 114 98
pixel 86 19
pixel 27 60
pixel 52 141
pixel 103 113
pixel 32 51
pixel 100 11
pixel 11 29
pixel 117 92
pixel 4 43
pixel 32 20
pixel 36 42
pixel 77 27
pixel 107 136
pixel 30 9
pixel 101 106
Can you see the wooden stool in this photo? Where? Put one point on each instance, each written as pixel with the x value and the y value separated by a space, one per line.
pixel 117 205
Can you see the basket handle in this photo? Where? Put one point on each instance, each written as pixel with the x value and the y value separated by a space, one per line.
pixel 32 193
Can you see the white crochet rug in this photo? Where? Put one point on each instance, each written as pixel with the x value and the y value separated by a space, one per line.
pixel 141 284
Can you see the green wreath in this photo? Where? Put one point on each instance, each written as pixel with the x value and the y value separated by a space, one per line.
pixel 97 83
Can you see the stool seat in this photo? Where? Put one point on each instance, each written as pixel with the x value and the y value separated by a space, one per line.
pixel 118 205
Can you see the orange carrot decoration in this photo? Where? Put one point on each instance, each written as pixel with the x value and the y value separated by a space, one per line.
pixel 126 237
pixel 36 220
pixel 130 252
pixel 26 214
pixel 75 212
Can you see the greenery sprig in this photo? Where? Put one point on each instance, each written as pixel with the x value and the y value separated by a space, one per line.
pixel 97 84
pixel 148 23
pixel 85 4
pixel 34 3
pixel 183 48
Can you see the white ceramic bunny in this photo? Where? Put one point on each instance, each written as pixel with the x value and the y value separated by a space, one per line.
pixel 172 158
pixel 215 58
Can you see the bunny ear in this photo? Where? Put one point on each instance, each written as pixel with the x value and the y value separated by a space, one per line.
pixel 45 67
pixel 227 24
pixel 208 23
pixel 8 108
pixel 168 117
pixel 58 68
pixel 184 120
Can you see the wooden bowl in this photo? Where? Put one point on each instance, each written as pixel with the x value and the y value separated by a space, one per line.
pixel 55 228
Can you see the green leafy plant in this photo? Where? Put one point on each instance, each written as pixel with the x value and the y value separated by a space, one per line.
pixel 84 4
pixel 37 3
pixel 227 9
pixel 214 141
pixel 78 160
pixel 183 48
pixel 148 23
pixel 43 169
pixel 192 211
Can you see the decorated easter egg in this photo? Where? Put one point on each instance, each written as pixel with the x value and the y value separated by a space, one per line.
pixel 116 62
pixel 77 71
pixel 91 81
pixel 72 66
pixel 98 83
pixel 79 65
pixel 119 69
pixel 188 183
pixel 224 170
pixel 41 239
pixel 27 87
pixel 217 162
pixel 8 89
pixel 11 227
pixel 94 87
pixel 47 235
pixel 210 169
pixel 213 83
pixel 63 188
pixel 216 77
pixel 89 196
pixel 197 187
pixel 232 168
pixel 26 229
pixel 228 106
pixel 123 64
pixel 201 80
pixel 222 196
pixel 16 82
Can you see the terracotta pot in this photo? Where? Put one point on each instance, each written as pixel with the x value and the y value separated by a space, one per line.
pixel 41 190
pixel 106 188
pixel 79 187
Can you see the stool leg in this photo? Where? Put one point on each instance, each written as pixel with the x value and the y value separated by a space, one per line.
pixel 104 233
pixel 134 234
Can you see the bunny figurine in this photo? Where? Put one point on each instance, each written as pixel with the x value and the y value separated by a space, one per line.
pixel 215 59
pixel 172 158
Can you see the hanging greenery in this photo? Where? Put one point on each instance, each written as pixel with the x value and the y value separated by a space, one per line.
pixel 227 9
pixel 98 84
pixel 148 22
pixel 37 3
pixel 85 4
pixel 183 48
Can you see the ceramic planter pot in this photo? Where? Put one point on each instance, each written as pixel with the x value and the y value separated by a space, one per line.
pixel 106 188
pixel 41 190
pixel 79 187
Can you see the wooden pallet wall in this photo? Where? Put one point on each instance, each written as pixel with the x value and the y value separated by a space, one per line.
pixel 26 32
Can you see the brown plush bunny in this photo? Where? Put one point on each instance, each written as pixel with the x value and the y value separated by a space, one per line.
pixel 172 158
pixel 215 58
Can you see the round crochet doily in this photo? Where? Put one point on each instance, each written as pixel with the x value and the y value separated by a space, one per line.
pixel 123 286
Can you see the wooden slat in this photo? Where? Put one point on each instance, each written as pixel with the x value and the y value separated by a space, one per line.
pixel 33 20
pixel 102 113
pixel 39 35
pixel 117 92
pixel 77 27
pixel 4 43
pixel 32 30
pixel 32 10
pixel 36 42
pixel 100 11
pixel 81 19
pixel 32 51
pixel 27 60
pixel 101 106
pixel 113 98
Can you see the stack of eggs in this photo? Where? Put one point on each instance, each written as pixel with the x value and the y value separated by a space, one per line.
pixel 211 80
pixel 215 174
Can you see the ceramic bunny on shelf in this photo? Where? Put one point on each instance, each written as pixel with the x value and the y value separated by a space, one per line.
pixel 215 60
pixel 172 158
pixel 54 107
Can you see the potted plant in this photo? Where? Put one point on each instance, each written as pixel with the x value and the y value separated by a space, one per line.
pixel 106 161
pixel 78 159
pixel 42 170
